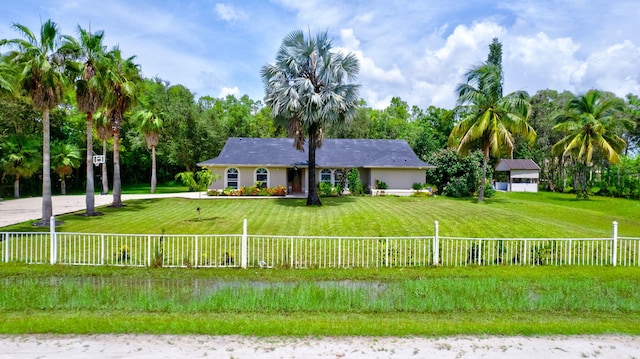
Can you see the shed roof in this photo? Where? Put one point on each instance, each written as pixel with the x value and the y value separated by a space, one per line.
pixel 334 153
pixel 521 164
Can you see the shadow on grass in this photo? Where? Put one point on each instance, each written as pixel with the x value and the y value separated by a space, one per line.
pixel 326 201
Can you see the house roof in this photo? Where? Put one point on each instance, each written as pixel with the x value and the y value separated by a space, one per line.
pixel 522 164
pixel 334 153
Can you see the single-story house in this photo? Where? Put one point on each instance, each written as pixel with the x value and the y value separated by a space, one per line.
pixel 521 175
pixel 275 162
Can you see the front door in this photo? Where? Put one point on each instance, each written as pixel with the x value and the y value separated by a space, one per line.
pixel 294 180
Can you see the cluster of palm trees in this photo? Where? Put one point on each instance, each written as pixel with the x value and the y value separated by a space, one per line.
pixel 49 66
pixel 489 121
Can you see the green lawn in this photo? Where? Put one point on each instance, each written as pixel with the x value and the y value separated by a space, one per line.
pixel 506 215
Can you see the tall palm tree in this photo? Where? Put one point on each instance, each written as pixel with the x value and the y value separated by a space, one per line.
pixel 43 69
pixel 89 50
pixel 64 158
pixel 590 126
pixel 489 120
pixel 308 88
pixel 120 80
pixel 21 158
pixel 103 127
pixel 150 125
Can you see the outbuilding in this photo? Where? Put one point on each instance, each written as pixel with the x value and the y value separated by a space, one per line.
pixel 522 175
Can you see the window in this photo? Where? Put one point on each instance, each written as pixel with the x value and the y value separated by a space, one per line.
pixel 262 177
pixel 232 178
pixel 339 178
pixel 325 176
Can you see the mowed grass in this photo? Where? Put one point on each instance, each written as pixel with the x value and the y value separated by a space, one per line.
pixel 543 214
pixel 425 301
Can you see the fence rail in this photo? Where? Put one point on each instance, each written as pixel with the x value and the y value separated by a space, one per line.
pixel 244 250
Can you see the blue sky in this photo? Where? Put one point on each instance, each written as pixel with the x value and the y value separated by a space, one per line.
pixel 417 50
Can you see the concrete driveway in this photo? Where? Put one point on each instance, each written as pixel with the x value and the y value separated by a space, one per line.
pixel 13 211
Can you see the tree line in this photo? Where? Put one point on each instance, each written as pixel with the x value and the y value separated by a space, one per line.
pixel 58 93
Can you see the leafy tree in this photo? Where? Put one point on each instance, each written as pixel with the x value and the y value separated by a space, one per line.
pixel 20 158
pixel 489 120
pixel 198 181
pixel 308 89
pixel 150 125
pixel 89 90
pixel 454 175
pixel 589 127
pixel 64 158
pixel 121 77
pixel 43 78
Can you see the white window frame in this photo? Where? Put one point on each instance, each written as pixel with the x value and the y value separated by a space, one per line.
pixel 255 176
pixel 330 181
pixel 226 177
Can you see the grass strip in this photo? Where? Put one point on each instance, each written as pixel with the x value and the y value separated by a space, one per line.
pixel 320 324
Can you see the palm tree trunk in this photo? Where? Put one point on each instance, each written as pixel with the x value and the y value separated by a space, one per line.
pixel 105 177
pixel 485 159
pixel 312 199
pixel 153 169
pixel 47 205
pixel 89 189
pixel 16 187
pixel 63 185
pixel 117 189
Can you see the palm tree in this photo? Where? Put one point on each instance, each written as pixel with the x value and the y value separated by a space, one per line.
pixel 121 77
pixel 150 125
pixel 590 127
pixel 103 127
pixel 21 158
pixel 89 49
pixel 42 77
pixel 489 120
pixel 64 158
pixel 307 90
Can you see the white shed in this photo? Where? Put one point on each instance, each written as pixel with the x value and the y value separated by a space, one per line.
pixel 522 175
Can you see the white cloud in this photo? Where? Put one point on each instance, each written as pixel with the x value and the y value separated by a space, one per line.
pixel 229 91
pixel 615 68
pixel 228 12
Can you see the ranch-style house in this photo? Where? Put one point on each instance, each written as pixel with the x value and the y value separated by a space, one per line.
pixel 275 162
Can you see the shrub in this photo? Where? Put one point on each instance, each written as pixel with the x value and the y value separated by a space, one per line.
pixel 326 189
pixel 355 184
pixel 381 184
pixel 417 186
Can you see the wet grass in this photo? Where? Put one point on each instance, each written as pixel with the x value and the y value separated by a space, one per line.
pixel 427 301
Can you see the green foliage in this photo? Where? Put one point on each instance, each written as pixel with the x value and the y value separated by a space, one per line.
pixel 381 184
pixel 455 175
pixel 356 187
pixel 417 186
pixel 199 181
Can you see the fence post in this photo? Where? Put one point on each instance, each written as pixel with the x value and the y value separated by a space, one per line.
pixel 243 262
pixel 436 244
pixel 52 238
pixel 614 244
pixel 339 252
pixel 195 253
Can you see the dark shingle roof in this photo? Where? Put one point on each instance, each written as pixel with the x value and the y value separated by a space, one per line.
pixel 524 164
pixel 333 153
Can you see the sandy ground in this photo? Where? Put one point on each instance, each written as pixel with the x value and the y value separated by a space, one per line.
pixel 196 346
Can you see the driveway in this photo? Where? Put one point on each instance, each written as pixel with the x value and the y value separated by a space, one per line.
pixel 15 211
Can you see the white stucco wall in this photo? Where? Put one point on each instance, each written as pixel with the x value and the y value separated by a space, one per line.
pixel 397 178
pixel 277 176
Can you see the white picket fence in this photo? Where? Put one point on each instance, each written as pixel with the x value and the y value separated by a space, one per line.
pixel 244 250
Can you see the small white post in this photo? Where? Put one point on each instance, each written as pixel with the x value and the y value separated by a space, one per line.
pixel 435 248
pixel 52 238
pixel 614 244
pixel 243 262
